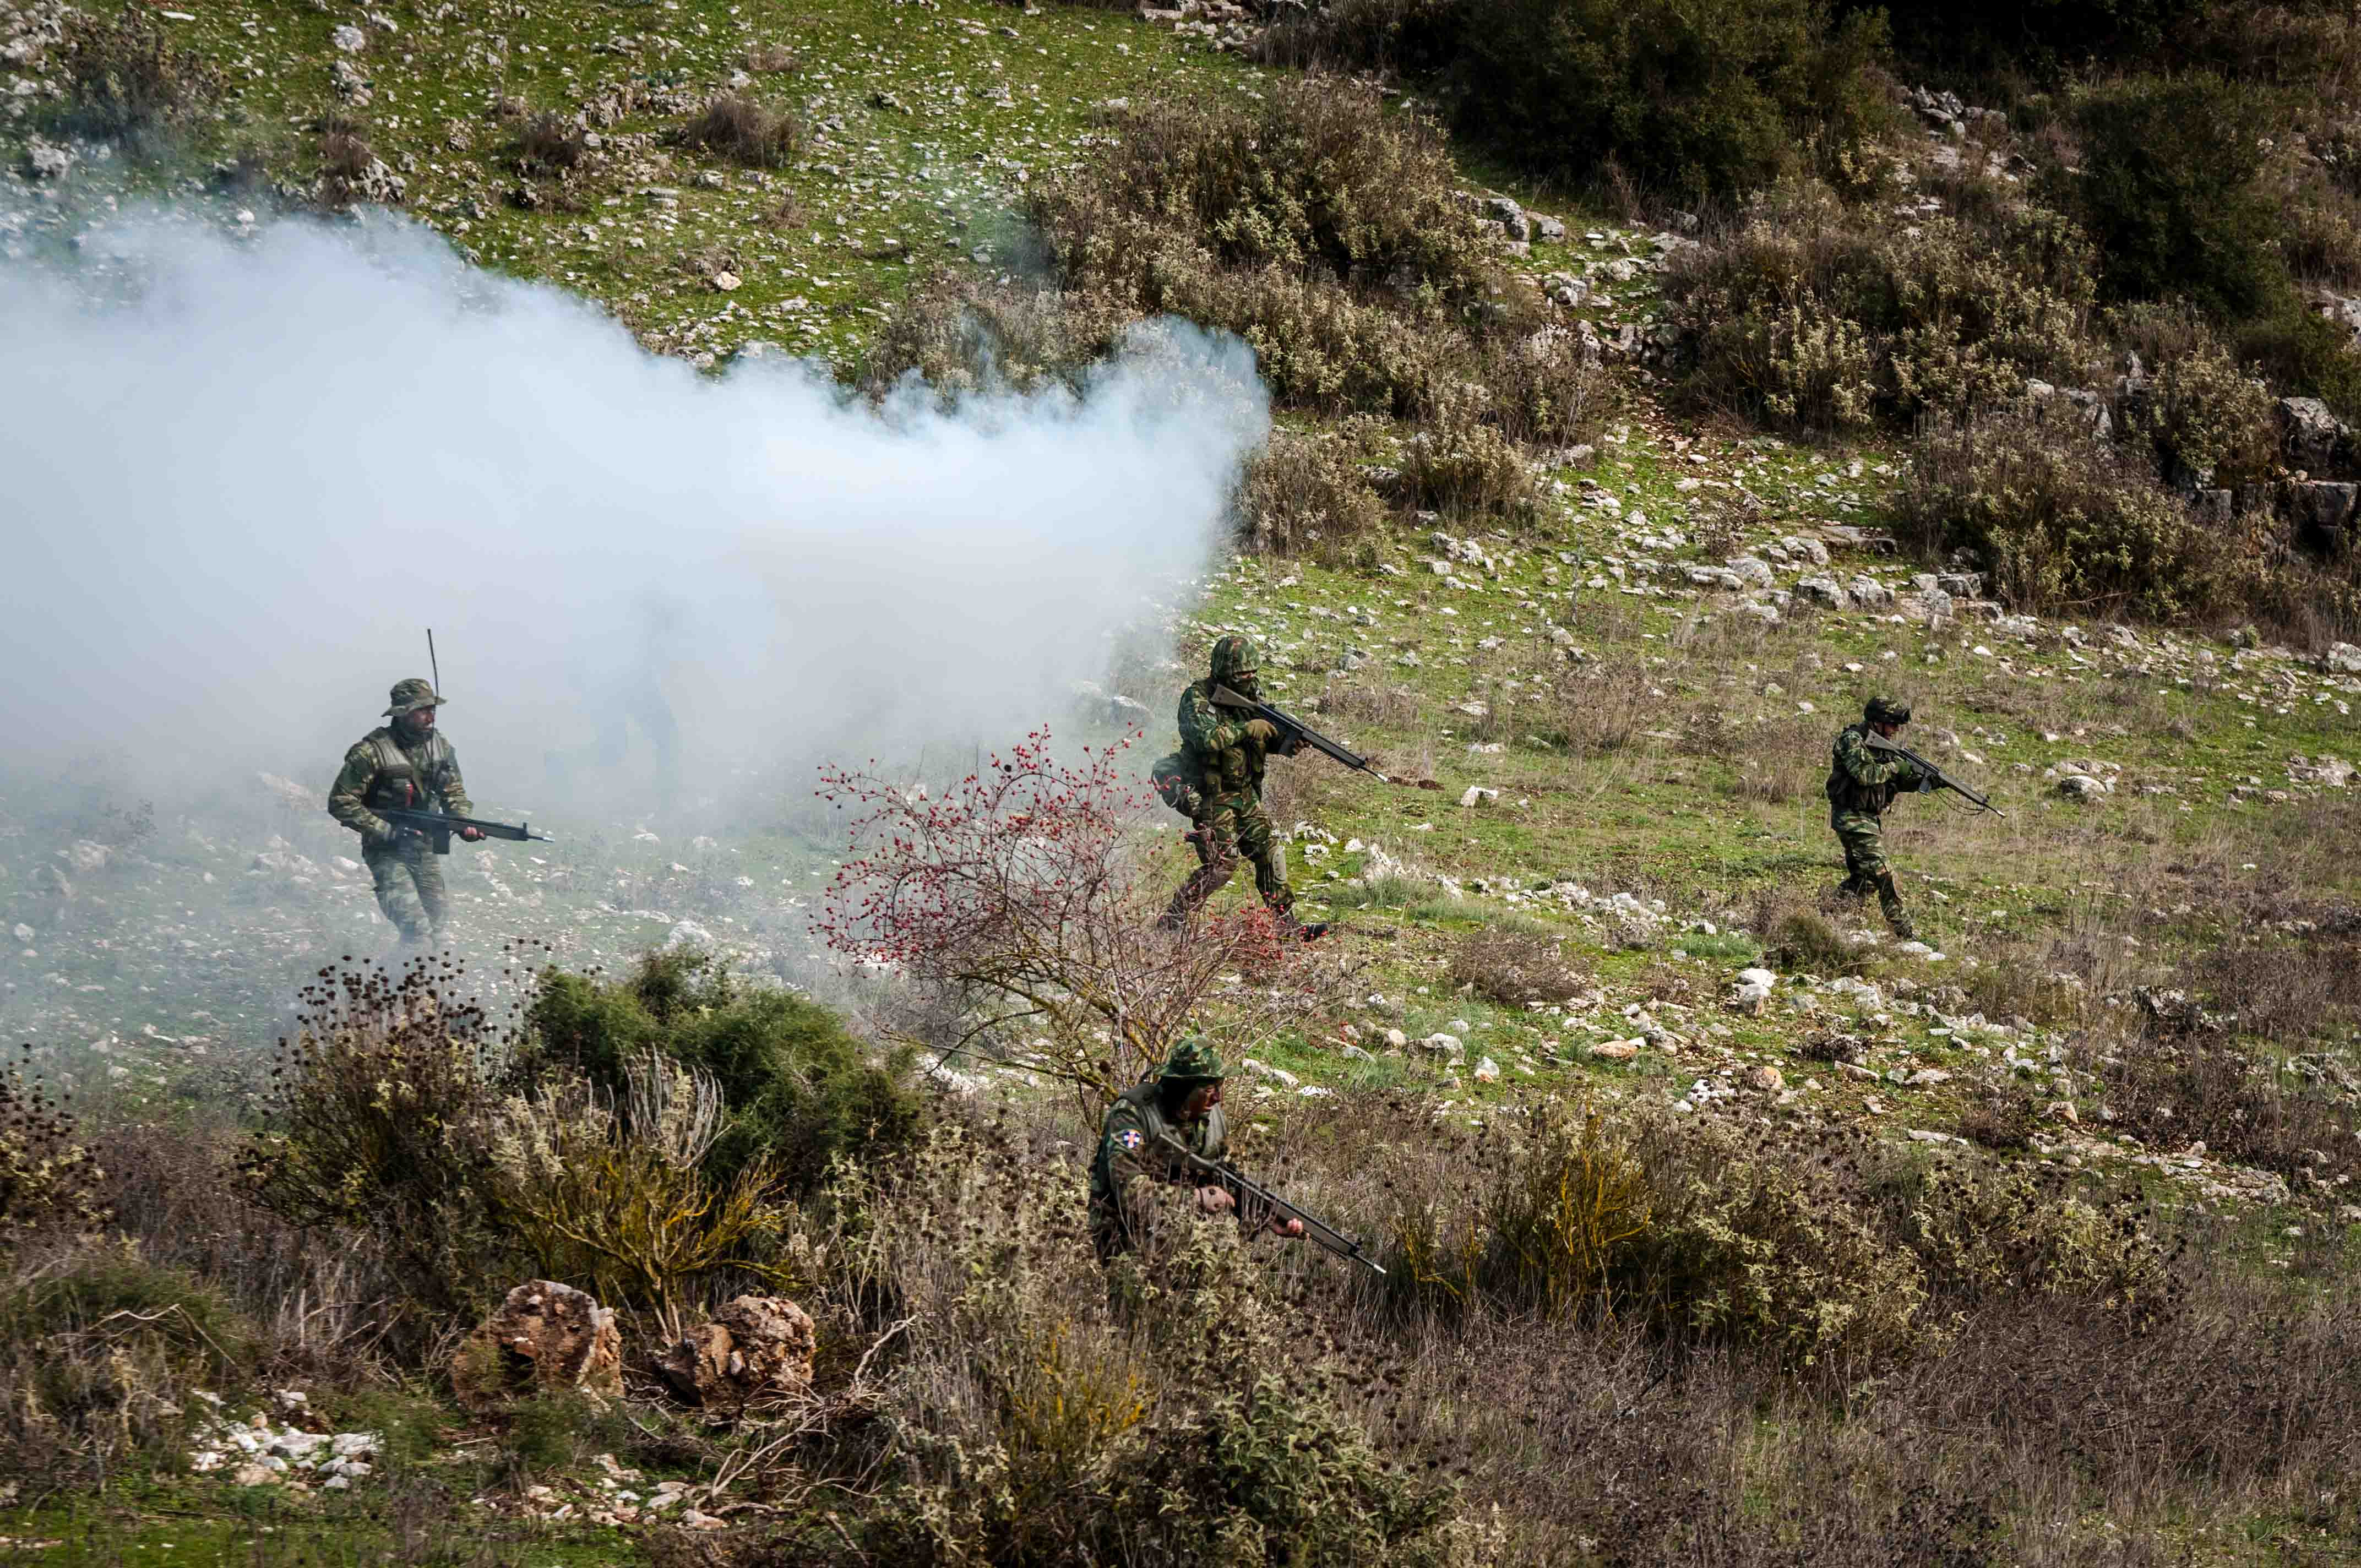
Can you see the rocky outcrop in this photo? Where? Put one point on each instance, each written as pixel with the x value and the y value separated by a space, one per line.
pixel 546 1338
pixel 756 1348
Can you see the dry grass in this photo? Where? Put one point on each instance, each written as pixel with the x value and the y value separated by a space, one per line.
pixel 1513 968
pixel 546 145
pixel 745 130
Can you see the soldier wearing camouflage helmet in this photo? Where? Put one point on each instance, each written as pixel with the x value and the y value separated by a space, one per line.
pixel 1861 784
pixel 1183 1099
pixel 408 764
pixel 1217 777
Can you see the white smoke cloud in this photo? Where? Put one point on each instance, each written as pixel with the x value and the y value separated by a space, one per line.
pixel 239 494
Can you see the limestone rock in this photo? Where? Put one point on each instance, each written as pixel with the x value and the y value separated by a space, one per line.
pixel 1766 1078
pixel 546 1338
pixel 2343 659
pixel 2315 440
pixel 1822 591
pixel 756 1348
pixel 1615 1050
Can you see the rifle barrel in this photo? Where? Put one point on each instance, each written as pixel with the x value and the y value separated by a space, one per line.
pixel 1243 1189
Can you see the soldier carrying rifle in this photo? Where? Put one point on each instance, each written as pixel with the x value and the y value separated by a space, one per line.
pixel 1863 779
pixel 405 765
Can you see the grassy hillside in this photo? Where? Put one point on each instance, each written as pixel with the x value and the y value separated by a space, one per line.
pixel 2032 1242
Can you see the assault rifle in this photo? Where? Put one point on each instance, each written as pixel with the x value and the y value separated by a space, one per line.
pixel 1293 732
pixel 1258 1205
pixel 441 825
pixel 1877 743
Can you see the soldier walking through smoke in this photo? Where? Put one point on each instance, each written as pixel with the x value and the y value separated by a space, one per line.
pixel 1862 782
pixel 1216 778
pixel 404 765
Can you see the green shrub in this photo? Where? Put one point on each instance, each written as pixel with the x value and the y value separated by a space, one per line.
pixel 1303 494
pixel 2036 36
pixel 1380 34
pixel 1812 314
pixel 48 1178
pixel 1313 222
pixel 1745 1241
pixel 1984 1235
pixel 126 79
pixel 637 1137
pixel 2206 420
pixel 1045 1410
pixel 100 1354
pixel 1540 1229
pixel 1457 462
pixel 962 335
pixel 385 1107
pixel 2060 517
pixel 1712 98
pixel 2168 191
pixel 800 1090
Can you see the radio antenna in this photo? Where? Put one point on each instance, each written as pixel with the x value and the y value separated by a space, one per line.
pixel 433 668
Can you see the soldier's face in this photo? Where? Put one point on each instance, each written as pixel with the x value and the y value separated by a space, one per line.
pixel 1200 1102
pixel 1248 682
pixel 419 720
pixel 1888 731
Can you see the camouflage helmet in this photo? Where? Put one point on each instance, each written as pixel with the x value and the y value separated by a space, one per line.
pixel 1235 657
pixel 410 696
pixel 1886 710
pixel 1192 1061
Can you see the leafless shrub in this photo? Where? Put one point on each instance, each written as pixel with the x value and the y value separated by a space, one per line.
pixel 1513 968
pixel 773 59
pixel 1603 708
pixel 547 145
pixel 745 130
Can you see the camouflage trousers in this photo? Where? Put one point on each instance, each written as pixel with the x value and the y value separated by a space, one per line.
pixel 1863 838
pixel 409 879
pixel 1228 827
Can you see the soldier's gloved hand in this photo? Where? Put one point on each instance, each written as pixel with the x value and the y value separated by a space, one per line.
pixel 1926 785
pixel 384 836
pixel 1262 729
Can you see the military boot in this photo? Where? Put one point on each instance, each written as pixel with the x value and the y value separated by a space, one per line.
pixel 1897 919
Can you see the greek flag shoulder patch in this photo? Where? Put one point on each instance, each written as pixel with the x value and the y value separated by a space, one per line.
pixel 1129 1139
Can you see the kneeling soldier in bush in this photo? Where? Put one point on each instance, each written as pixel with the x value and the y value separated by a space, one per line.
pixel 1861 784
pixel 1184 1098
pixel 406 764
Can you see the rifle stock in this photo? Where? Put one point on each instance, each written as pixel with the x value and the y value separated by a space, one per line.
pixel 1877 743
pixel 1257 1204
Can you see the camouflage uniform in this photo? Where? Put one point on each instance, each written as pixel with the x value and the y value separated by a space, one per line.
pixel 1861 784
pixel 1218 779
pixel 390 766
pixel 1129 1162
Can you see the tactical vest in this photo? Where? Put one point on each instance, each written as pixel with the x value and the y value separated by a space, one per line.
pixel 402 784
pixel 1849 794
pixel 1233 770
pixel 1207 1139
